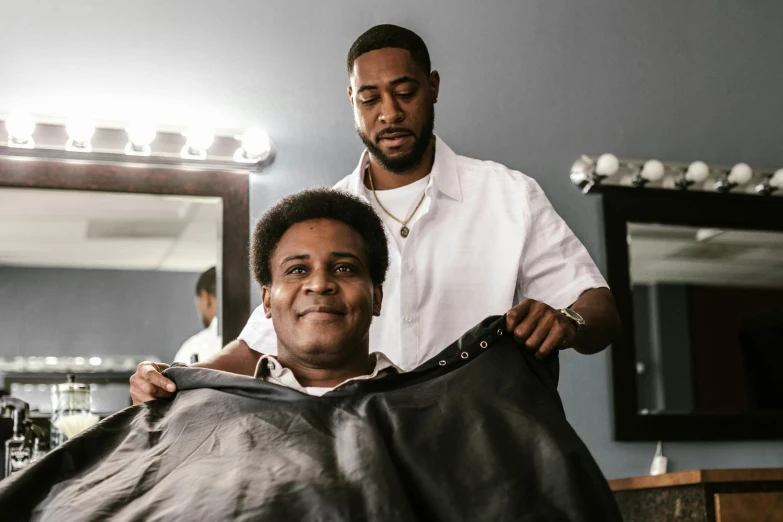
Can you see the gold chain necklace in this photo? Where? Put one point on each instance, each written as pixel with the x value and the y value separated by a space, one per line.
pixel 404 231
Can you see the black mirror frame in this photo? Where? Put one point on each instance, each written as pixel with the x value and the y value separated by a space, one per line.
pixel 623 205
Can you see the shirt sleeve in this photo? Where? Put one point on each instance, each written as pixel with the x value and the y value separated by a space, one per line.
pixel 555 267
pixel 259 334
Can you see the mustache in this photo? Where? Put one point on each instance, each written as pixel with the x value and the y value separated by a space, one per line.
pixel 393 130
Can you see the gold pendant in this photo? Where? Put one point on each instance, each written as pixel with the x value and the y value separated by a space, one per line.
pixel 404 231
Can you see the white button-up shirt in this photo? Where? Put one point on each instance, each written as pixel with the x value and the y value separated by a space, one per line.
pixel 205 344
pixel 486 238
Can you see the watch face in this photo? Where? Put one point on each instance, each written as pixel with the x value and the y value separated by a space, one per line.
pixel 574 316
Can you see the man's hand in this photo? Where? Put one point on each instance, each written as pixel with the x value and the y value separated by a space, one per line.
pixel 148 383
pixel 540 328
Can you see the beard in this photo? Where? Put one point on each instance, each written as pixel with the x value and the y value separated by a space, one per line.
pixel 407 162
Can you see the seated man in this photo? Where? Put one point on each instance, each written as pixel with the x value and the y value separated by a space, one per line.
pixel 321 259
pixel 475 433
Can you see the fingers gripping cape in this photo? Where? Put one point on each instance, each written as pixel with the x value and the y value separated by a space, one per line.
pixel 476 433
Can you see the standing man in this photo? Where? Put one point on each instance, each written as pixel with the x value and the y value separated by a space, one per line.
pixel 467 238
pixel 207 342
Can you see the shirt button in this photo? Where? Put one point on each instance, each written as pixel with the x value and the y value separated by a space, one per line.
pixel 408 318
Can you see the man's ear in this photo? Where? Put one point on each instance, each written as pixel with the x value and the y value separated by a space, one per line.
pixel 266 298
pixel 350 95
pixel 377 299
pixel 434 85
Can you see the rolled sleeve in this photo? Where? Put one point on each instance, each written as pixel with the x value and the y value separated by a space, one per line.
pixel 555 267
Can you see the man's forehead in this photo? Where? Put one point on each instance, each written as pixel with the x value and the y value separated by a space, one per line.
pixel 324 236
pixel 383 65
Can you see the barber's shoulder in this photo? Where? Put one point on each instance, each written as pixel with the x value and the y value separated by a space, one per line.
pixel 492 172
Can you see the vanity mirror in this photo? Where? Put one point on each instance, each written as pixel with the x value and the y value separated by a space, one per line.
pixel 99 264
pixel 698 280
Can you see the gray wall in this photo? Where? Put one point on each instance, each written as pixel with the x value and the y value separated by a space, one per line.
pixel 532 84
pixel 72 312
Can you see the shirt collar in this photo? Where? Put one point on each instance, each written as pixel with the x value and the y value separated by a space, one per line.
pixel 270 370
pixel 444 173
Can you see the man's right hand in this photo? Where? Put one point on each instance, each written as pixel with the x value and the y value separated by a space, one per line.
pixel 148 383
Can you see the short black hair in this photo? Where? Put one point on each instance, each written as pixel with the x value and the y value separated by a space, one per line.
pixel 207 282
pixel 388 35
pixel 321 203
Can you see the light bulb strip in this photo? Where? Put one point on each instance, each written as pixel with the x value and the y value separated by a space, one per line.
pixel 114 144
pixel 589 171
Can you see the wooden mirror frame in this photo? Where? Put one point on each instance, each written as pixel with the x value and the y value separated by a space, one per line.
pixel 623 205
pixel 231 187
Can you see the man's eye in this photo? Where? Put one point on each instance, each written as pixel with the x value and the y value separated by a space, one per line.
pixel 405 95
pixel 345 268
pixel 369 101
pixel 295 270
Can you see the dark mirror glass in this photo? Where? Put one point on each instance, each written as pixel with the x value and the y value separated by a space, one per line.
pixel 708 319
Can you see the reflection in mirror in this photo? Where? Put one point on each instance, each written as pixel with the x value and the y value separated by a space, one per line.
pixel 708 318
pixel 91 283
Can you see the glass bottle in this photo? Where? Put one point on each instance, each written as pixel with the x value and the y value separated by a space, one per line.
pixel 71 410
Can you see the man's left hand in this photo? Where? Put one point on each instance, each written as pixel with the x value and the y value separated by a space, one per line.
pixel 540 328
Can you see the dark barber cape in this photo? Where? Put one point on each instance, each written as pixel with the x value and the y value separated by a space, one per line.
pixel 476 433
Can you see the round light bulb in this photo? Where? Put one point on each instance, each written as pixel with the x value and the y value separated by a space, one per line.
pixel 199 138
pixel 607 165
pixel 20 126
pixel 777 179
pixel 141 133
pixel 740 174
pixel 697 172
pixel 652 170
pixel 255 142
pixel 80 129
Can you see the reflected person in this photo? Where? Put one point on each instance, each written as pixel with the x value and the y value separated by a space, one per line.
pixel 207 342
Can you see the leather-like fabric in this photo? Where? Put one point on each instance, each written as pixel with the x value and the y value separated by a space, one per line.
pixel 473 434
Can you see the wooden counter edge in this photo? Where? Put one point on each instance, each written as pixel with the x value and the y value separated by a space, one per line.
pixel 683 478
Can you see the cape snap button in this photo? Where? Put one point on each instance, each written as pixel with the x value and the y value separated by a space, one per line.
pixel 483 344
pixel 464 355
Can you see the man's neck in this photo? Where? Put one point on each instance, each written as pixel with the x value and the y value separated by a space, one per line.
pixel 386 180
pixel 313 376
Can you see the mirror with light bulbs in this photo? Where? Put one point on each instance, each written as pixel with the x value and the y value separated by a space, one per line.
pixel 98 269
pixel 697 275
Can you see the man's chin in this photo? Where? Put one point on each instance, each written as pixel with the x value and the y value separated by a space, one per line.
pixel 314 329
pixel 324 350
pixel 398 162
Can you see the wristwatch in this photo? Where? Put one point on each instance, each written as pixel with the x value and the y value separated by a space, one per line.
pixel 576 319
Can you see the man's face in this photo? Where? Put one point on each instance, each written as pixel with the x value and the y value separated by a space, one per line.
pixel 322 298
pixel 205 305
pixel 392 100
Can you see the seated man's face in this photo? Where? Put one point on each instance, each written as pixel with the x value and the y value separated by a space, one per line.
pixel 322 298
